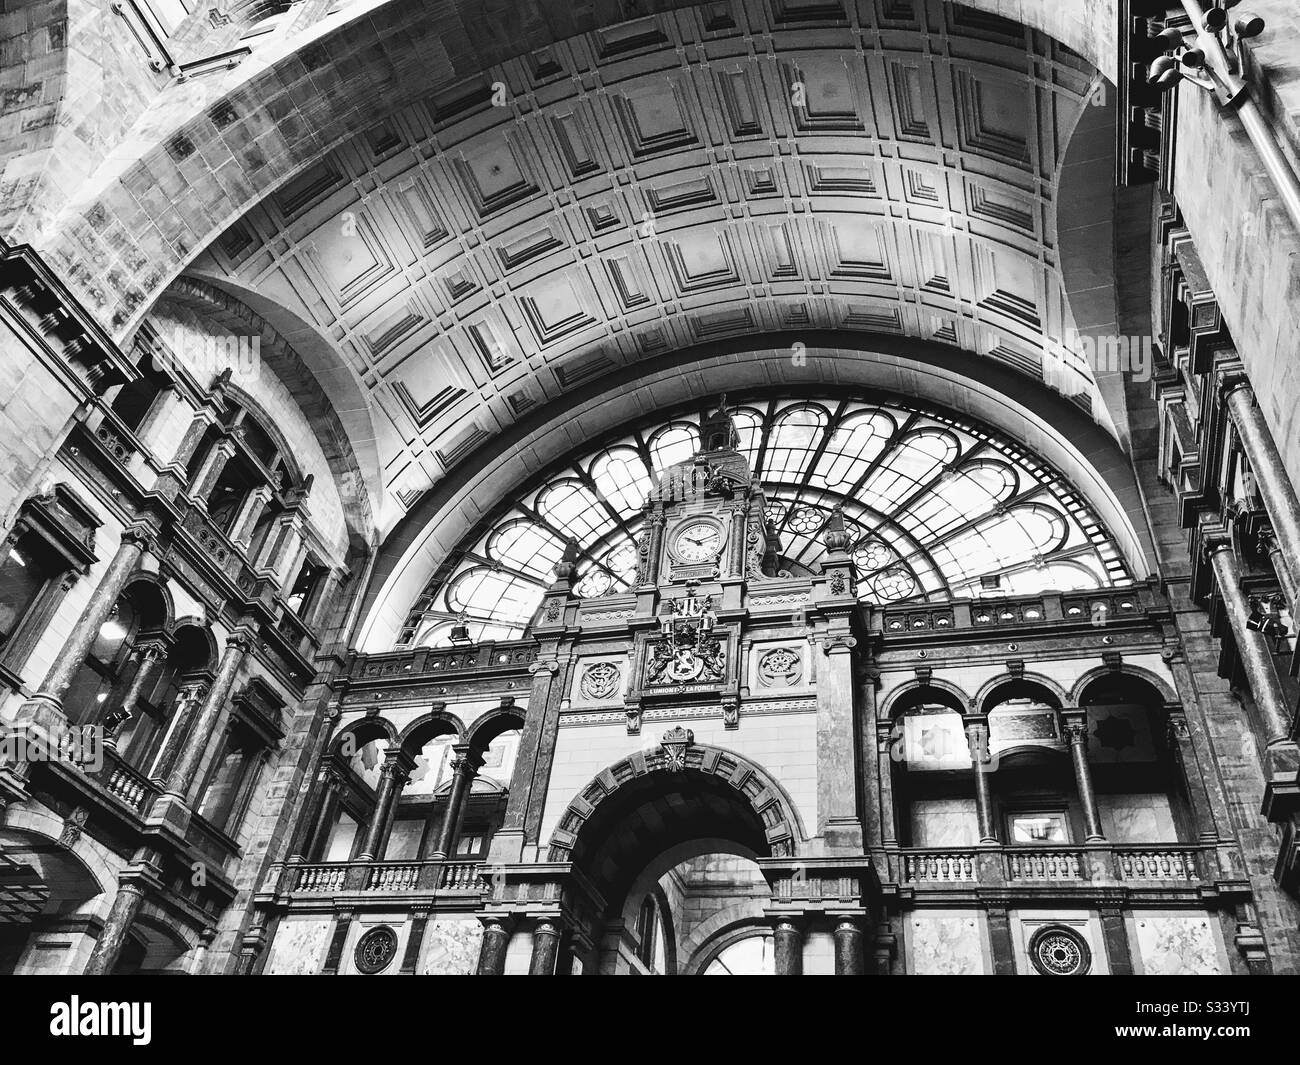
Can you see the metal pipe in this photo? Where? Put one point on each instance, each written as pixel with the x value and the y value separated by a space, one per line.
pixel 1237 96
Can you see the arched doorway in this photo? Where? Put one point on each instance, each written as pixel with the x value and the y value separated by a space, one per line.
pixel 671 849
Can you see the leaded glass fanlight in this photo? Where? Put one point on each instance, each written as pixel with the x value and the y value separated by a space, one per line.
pixel 936 508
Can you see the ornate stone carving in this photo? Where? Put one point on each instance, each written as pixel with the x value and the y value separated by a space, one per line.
pixel 781 667
pixel 1055 950
pixel 599 681
pixel 376 950
pixel 675 743
pixel 73 825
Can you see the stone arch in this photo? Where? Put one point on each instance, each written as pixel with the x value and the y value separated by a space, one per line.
pixel 951 381
pixel 268 425
pixel 363 730
pixel 493 723
pixel 719 932
pixel 904 695
pixel 197 631
pixel 307 366
pixel 1161 686
pixel 783 834
pixel 166 943
pixel 74 852
pixel 154 586
pixel 1027 683
pixel 435 723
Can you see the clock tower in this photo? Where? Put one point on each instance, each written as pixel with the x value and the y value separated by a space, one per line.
pixel 705 536
pixel 704 520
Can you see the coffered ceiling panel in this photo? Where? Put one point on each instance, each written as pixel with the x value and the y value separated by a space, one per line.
pixel 732 168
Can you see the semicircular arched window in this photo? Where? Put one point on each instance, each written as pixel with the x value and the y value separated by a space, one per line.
pixel 936 507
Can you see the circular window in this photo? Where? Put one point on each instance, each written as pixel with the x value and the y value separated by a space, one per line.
pixel 376 950
pixel 1057 950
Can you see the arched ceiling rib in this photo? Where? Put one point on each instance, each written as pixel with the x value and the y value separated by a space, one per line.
pixel 680 178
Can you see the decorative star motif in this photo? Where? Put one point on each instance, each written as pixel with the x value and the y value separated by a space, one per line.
pixel 1115 733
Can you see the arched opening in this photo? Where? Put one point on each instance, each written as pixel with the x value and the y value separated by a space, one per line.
pixel 673 856
pixel 930 766
pixel 44 888
pixel 1142 789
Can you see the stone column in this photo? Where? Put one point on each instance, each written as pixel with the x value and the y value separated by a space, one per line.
pixel 885 741
pixel 1272 550
pixel 654 547
pixel 1272 725
pixel 739 515
pixel 136 539
pixel 241 529
pixel 492 954
pixel 837 792
pixel 132 884
pixel 325 814
pixel 188 699
pixel 546 946
pixel 148 655
pixel 977 737
pixel 1266 464
pixel 1075 725
pixel 1198 794
pixel 848 947
pixel 528 782
pixel 205 477
pixel 787 939
pixel 172 807
pixel 392 778
pixel 465 764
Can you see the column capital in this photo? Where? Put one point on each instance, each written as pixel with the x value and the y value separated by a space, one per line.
pixel 398 763
pixel 1231 384
pixel 1216 542
pixel 466 758
pixel 1074 724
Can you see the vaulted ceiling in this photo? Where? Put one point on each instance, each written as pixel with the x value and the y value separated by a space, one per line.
pixel 721 170
pixel 485 227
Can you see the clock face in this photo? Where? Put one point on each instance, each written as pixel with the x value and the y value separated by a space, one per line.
pixel 698 542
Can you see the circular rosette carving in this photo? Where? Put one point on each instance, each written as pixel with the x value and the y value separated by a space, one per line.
pixel 376 950
pixel 1056 950
pixel 599 681
pixel 780 667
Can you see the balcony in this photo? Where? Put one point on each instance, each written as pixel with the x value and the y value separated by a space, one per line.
pixel 1104 606
pixel 412 881
pixel 1086 870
